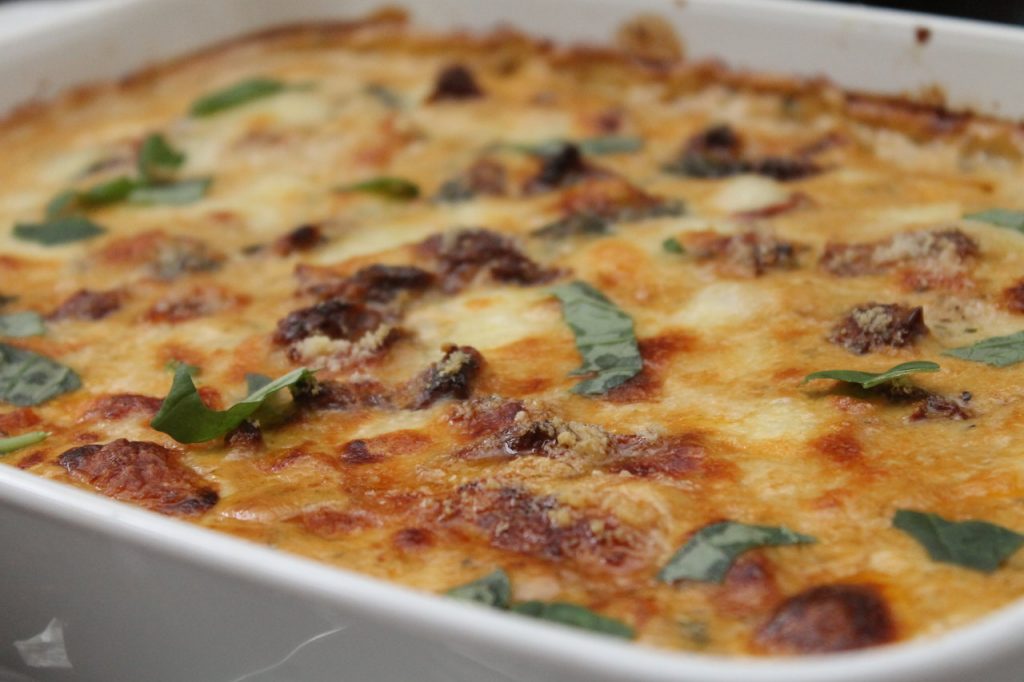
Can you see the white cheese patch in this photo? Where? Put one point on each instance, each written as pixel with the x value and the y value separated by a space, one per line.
pixel 726 303
pixel 488 319
pixel 749 193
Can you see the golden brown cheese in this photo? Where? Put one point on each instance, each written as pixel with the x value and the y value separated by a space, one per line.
pixel 824 230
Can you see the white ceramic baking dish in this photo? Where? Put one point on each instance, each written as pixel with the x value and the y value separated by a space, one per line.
pixel 91 589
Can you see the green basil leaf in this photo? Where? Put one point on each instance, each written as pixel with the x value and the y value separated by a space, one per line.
pixel 174 365
pixel 158 160
pixel 610 144
pixel 577 224
pixel 185 418
pixel 998 351
pixel 978 545
pixel 173 193
pixel 63 204
pixel 9 445
pixel 604 337
pixel 872 379
pixel 494 589
pixel 574 616
pixel 58 231
pixel 254 382
pixel 109 192
pixel 71 201
pixel 672 245
pixel 1001 217
pixel 19 325
pixel 236 95
pixel 387 187
pixel 385 95
pixel 709 554
pixel 28 378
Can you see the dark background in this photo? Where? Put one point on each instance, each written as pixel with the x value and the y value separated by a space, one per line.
pixel 1008 11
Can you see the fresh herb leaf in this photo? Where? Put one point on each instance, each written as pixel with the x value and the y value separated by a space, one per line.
pixel 574 616
pixel 494 589
pixel 56 231
pixel 28 378
pixel 672 245
pixel 977 545
pixel 254 382
pixel 387 187
pixel 998 351
pixel 236 95
pixel 610 144
pixel 1001 217
pixel 18 325
pixel 872 379
pixel 70 202
pixel 63 204
pixel 174 193
pixel 709 554
pixel 174 365
pixel 9 445
pixel 604 337
pixel 158 161
pixel 577 224
pixel 385 95
pixel 185 418
pixel 109 192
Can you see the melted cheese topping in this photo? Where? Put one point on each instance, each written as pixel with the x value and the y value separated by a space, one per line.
pixel 726 334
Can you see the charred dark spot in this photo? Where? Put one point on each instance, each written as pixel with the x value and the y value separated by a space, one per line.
pixel 929 253
pixel 749 587
pixel 718 153
pixel 466 253
pixel 750 254
pixel 357 452
pixel 333 395
pixel 88 305
pixel 516 521
pixel 245 436
pixel 118 406
pixel 519 438
pixel 827 619
pixel 560 168
pixel 336 318
pixel 1013 297
pixel 382 283
pixel 871 326
pixel 302 238
pixel 194 303
pixel 675 456
pixel 455 82
pixel 144 473
pixel 411 539
pixel 922 35
pixel 940 407
pixel 451 377
pixel 478 417
pixel 485 177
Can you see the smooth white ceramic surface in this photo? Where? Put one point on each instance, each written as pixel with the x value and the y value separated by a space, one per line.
pixel 118 593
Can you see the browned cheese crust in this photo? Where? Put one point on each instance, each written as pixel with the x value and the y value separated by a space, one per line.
pixel 820 230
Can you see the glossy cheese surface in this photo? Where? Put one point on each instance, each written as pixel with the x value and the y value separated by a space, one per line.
pixel 434 491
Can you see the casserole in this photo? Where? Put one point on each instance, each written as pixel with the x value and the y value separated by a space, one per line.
pixel 363 661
